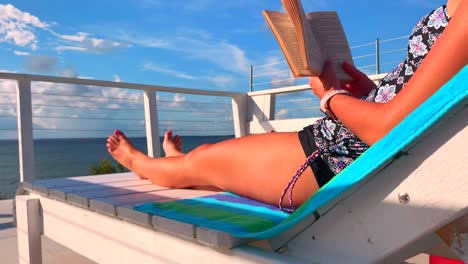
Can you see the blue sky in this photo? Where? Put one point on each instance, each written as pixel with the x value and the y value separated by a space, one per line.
pixel 205 44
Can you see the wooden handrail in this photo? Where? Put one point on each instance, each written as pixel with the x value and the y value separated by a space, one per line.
pixel 92 82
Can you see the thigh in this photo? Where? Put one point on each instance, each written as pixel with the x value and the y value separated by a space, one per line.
pixel 256 166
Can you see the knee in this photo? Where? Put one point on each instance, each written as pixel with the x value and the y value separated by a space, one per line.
pixel 195 163
pixel 197 155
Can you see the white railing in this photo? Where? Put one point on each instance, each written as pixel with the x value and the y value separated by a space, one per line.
pixel 25 113
pixel 252 113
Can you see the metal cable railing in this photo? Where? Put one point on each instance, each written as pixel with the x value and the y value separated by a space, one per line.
pixel 182 115
pixel 275 72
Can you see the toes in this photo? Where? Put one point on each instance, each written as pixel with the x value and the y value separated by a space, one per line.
pixel 168 135
pixel 109 147
pixel 112 141
pixel 119 134
pixel 178 142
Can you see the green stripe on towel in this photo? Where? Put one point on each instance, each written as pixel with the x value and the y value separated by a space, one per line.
pixel 250 223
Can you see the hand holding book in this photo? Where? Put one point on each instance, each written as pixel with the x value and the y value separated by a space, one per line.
pixel 360 85
pixel 308 40
pixel 326 82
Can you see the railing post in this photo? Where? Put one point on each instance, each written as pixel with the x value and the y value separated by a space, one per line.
pixel 251 78
pixel 377 56
pixel 25 130
pixel 261 107
pixel 239 114
pixel 151 122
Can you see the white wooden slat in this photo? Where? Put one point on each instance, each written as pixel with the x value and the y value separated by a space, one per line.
pixel 127 213
pixel 89 178
pixel 282 90
pixel 239 115
pixel 61 193
pixel 27 186
pixel 282 239
pixel 286 125
pixel 43 186
pixel 181 229
pixel 83 198
pixel 29 229
pixel 218 239
pixel 108 205
pixel 261 108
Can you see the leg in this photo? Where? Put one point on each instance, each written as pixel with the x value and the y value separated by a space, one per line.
pixel 257 166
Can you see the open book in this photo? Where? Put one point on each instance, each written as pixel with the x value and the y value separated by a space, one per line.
pixel 308 40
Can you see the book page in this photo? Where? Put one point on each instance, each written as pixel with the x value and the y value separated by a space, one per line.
pixel 329 33
pixel 285 33
pixel 310 51
pixel 296 15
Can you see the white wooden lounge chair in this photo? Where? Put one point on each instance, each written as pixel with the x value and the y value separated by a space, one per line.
pixel 388 216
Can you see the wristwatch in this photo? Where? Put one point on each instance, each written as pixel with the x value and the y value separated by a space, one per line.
pixel 325 101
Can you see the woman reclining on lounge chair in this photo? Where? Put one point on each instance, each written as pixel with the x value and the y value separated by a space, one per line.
pixel 359 114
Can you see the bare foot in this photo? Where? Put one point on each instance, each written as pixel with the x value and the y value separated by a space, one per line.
pixel 172 146
pixel 121 149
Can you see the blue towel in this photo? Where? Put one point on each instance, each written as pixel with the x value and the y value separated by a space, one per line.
pixel 250 220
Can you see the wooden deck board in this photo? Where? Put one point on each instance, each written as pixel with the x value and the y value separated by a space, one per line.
pixel 218 239
pixel 181 229
pixel 43 186
pixel 108 205
pixel 83 198
pixel 61 193
pixel 127 213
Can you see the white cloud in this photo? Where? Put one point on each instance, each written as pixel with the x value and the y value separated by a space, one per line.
pixel 18 27
pixel 116 78
pixel 145 41
pixel 196 44
pixel 8 108
pixel 177 100
pixel 281 113
pixel 223 54
pixel 221 80
pixel 83 42
pixel 72 48
pixel 21 53
pixel 275 72
pixel 89 97
pixel 7 85
pixel 79 37
pixel 151 67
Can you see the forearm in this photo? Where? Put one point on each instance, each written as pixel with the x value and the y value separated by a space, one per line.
pixel 367 120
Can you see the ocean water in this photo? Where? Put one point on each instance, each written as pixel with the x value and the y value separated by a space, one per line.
pixel 60 158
